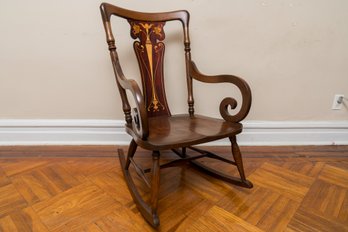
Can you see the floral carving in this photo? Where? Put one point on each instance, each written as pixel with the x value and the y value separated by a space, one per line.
pixel 150 52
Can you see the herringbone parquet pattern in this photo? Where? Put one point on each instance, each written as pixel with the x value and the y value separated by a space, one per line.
pixel 82 189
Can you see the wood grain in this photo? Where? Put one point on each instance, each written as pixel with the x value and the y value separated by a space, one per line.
pixel 291 192
pixel 22 220
pixel 217 219
pixel 10 200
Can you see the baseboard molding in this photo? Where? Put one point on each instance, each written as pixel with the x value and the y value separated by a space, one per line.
pixel 111 132
pixel 62 132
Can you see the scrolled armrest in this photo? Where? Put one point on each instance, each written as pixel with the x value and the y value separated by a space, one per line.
pixel 139 120
pixel 227 102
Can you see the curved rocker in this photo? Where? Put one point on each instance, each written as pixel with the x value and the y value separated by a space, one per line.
pixel 243 182
pixel 149 211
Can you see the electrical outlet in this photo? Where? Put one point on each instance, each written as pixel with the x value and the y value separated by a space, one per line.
pixel 337 102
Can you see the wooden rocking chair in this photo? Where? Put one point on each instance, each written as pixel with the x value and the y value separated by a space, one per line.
pixel 151 124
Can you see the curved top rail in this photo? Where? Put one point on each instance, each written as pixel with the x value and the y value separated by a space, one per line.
pixel 108 10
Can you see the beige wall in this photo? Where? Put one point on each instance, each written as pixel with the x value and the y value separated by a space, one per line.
pixel 54 62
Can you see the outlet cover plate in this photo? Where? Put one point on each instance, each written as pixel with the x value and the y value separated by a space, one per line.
pixel 336 105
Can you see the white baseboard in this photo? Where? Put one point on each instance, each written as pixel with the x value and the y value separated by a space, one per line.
pixel 111 132
pixel 63 132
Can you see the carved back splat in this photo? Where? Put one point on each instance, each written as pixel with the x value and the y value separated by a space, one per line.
pixel 150 54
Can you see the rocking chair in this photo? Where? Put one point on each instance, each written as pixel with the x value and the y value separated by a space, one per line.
pixel 151 124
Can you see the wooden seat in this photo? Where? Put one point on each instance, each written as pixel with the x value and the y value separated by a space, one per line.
pixel 182 130
pixel 151 123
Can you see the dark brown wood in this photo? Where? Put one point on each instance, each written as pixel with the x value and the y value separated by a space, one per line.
pixel 131 151
pixel 150 53
pixel 227 102
pixel 155 182
pixel 238 159
pixel 183 131
pixel 141 173
pixel 145 209
pixel 151 124
pixel 212 155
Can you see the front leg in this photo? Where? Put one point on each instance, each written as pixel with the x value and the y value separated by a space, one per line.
pixel 155 182
pixel 239 162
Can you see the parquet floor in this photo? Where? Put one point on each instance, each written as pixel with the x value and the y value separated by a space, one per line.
pixel 82 189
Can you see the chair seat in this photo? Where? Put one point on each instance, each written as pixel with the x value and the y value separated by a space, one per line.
pixel 183 130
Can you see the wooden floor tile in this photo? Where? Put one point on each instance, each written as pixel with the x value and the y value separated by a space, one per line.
pixel 288 183
pixel 278 215
pixel 107 181
pixel 75 208
pixel 318 166
pixel 339 164
pixel 305 220
pixel 334 175
pixel 92 228
pixel 4 180
pixel 171 180
pixel 199 210
pixel 43 183
pixel 122 219
pixel 84 167
pixel 10 200
pixel 261 207
pixel 7 225
pixel 16 166
pixel 175 207
pixel 21 221
pixel 205 185
pixel 217 219
pixel 308 168
pixel 327 200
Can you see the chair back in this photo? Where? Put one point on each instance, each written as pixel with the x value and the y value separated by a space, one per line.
pixel 147 29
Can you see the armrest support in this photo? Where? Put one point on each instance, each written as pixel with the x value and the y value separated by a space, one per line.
pixel 226 102
pixel 139 120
